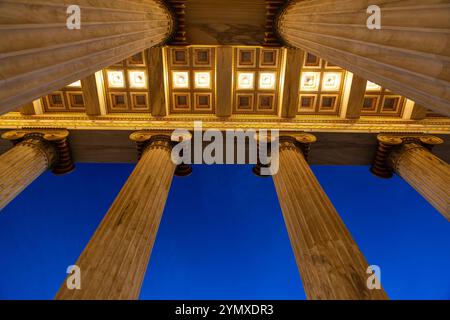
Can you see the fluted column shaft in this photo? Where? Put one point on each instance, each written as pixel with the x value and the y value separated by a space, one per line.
pixel 425 172
pixel 114 262
pixel 40 54
pixel 21 165
pixel 330 264
pixel 409 55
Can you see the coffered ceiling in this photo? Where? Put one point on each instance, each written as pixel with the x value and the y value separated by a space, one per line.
pixel 258 74
pixel 255 77
pixel 191 74
pixel 321 87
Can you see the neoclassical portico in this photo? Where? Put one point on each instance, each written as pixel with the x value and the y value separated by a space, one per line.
pixel 329 261
pixel 114 262
pixel 306 68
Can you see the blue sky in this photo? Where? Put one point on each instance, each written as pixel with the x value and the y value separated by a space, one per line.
pixel 222 235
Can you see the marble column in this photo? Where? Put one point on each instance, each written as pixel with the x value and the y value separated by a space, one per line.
pixel 425 172
pixel 407 52
pixel 329 261
pixel 43 48
pixel 114 262
pixel 22 164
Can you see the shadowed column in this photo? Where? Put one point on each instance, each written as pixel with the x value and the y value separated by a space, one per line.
pixel 21 165
pixel 408 54
pixel 329 261
pixel 43 49
pixel 114 262
pixel 34 151
pixel 425 172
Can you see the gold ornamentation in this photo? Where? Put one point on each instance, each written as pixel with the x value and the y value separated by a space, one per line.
pixel 147 122
pixel 431 140
pixel 47 134
pixel 390 140
pixel 305 138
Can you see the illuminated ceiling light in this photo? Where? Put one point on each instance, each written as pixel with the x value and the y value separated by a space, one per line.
pixel 137 79
pixel 267 80
pixel 76 84
pixel 202 80
pixel 246 80
pixel 181 80
pixel 310 81
pixel 331 81
pixel 116 79
pixel 372 86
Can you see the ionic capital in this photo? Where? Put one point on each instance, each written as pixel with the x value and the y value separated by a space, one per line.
pixel 298 141
pixel 150 140
pixel 394 144
pixel 52 143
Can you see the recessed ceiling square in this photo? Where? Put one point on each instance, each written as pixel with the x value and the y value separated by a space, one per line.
pixel 267 80
pixel 180 79
pixel 246 80
pixel 116 79
pixel 138 79
pixel 310 81
pixel 331 81
pixel 202 80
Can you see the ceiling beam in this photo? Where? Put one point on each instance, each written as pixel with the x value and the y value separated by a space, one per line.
pixel 414 111
pixel 156 81
pixel 356 97
pixel 418 112
pixel 291 84
pixel 32 108
pixel 28 109
pixel 230 22
pixel 224 81
pixel 91 97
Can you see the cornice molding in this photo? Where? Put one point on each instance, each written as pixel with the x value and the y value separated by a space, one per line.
pixel 146 122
